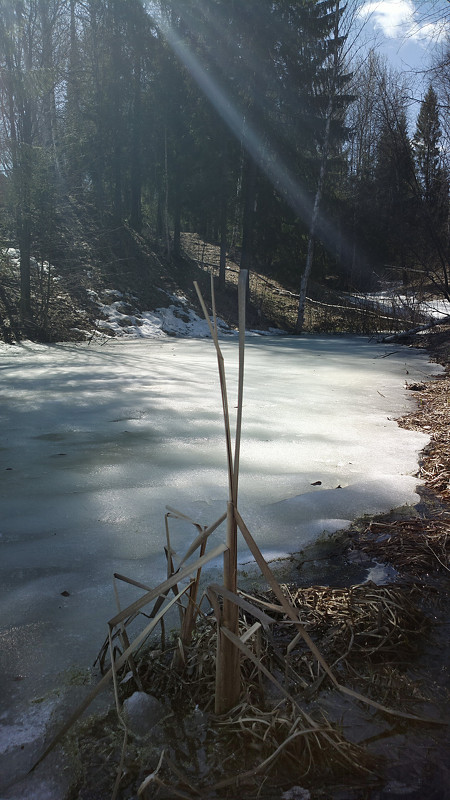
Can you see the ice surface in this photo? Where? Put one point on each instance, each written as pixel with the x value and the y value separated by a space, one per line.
pixel 98 439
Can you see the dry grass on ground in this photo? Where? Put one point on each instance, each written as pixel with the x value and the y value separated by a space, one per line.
pixel 326 311
pixel 433 416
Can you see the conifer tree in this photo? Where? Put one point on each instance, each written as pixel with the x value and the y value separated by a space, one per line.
pixel 426 144
pixel 433 191
pixel 394 186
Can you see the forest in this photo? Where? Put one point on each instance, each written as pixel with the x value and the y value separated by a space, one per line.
pixel 261 127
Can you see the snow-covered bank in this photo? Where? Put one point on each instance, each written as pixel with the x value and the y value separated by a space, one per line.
pixel 402 306
pixel 121 318
pixel 99 438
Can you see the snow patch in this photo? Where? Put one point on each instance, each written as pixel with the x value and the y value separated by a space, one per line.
pixel 28 727
pixel 401 305
pixel 121 319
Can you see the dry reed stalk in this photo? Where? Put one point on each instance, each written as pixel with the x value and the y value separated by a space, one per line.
pixel 125 616
pixel 160 592
pixel 166 585
pixel 152 775
pixel 121 720
pixel 187 615
pixel 187 626
pixel 228 667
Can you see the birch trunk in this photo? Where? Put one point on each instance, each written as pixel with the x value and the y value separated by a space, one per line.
pixel 322 173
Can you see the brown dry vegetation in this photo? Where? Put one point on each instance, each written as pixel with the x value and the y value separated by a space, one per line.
pixel 433 416
pixel 421 545
pixel 274 304
pixel 118 258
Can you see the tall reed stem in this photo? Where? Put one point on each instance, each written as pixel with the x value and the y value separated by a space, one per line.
pixel 228 676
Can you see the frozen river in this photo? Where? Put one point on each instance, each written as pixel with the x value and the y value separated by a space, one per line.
pixel 97 439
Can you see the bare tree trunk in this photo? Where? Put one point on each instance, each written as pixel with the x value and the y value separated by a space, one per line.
pixel 136 171
pixel 319 189
pixel 313 226
pixel 166 199
pixel 177 218
pixel 24 179
pixel 248 218
pixel 20 132
pixel 223 239
pixel 223 223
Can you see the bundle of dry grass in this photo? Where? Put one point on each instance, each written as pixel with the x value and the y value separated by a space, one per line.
pixel 413 546
pixel 365 631
pixel 268 733
pixel 359 625
pixel 433 415
pixel 364 622
pixel 289 640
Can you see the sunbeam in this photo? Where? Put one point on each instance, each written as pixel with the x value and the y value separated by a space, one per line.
pixel 257 143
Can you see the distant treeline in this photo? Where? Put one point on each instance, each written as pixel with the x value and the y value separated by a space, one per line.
pixel 251 123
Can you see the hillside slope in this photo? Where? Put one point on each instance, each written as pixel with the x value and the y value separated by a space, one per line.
pixel 92 261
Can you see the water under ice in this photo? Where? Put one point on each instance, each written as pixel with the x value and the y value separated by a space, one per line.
pixel 98 439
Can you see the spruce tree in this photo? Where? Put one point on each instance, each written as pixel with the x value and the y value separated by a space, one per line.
pixel 427 152
pixel 394 187
pixel 433 191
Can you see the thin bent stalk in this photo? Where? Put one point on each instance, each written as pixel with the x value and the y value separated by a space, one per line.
pixel 188 614
pixel 242 286
pixel 125 642
pixel 167 585
pixel 227 659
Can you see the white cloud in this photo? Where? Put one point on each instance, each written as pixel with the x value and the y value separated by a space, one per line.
pixel 400 19
pixel 390 15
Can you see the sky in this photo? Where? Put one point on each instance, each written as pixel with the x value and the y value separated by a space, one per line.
pixel 406 32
